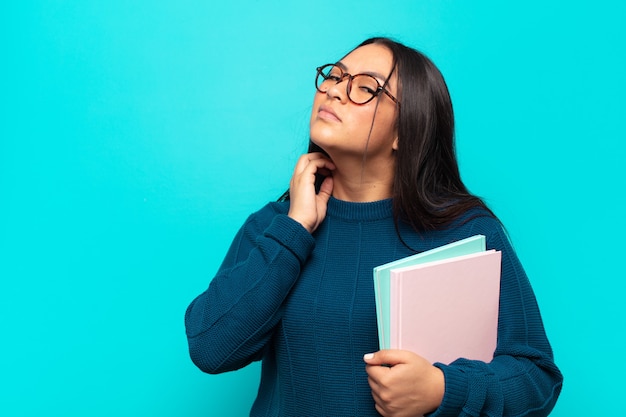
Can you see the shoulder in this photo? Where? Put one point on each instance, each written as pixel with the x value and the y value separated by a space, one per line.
pixel 273 208
pixel 477 220
pixel 271 222
pixel 263 217
pixel 482 222
pixel 269 211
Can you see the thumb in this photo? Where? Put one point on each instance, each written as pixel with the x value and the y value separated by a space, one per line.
pixel 326 189
pixel 388 357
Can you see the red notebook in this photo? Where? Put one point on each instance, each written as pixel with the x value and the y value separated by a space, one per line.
pixel 445 310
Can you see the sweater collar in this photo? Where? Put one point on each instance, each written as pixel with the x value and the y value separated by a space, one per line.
pixel 374 210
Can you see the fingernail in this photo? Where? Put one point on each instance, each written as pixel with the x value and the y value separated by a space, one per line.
pixel 368 356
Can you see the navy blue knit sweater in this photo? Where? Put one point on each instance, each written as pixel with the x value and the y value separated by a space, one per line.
pixel 304 305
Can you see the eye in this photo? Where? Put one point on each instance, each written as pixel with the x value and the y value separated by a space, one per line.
pixel 366 84
pixel 334 74
pixel 368 89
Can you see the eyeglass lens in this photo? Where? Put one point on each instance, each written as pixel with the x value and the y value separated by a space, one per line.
pixel 361 88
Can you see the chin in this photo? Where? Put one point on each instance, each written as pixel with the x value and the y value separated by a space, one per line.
pixel 324 137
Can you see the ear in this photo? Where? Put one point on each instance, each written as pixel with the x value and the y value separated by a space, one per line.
pixel 394 145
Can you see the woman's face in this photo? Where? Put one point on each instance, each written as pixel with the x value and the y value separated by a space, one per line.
pixel 341 127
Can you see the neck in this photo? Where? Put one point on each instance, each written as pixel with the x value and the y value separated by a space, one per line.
pixel 363 182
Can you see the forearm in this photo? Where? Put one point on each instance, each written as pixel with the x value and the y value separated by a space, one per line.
pixel 506 387
pixel 522 379
pixel 229 324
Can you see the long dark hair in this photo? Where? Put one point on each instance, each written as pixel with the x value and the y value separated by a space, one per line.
pixel 428 192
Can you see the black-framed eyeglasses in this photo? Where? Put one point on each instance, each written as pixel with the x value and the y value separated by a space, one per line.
pixel 361 88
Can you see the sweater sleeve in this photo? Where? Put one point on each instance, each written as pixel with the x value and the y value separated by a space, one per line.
pixel 230 323
pixel 522 379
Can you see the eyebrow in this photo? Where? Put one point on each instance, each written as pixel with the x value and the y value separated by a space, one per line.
pixel 372 73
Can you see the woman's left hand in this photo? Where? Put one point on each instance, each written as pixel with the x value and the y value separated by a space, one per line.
pixel 407 384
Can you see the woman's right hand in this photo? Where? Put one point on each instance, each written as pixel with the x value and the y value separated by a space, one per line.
pixel 307 207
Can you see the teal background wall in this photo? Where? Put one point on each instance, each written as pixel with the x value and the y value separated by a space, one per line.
pixel 136 136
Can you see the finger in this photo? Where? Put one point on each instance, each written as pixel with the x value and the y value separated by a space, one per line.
pixel 374 376
pixel 317 155
pixel 377 375
pixel 320 160
pixel 303 161
pixel 307 172
pixel 380 404
pixel 388 357
pixel 306 159
pixel 326 189
pixel 381 410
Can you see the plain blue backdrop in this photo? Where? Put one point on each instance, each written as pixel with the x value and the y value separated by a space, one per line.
pixel 136 136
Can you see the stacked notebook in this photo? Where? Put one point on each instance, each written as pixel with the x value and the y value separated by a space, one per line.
pixel 441 304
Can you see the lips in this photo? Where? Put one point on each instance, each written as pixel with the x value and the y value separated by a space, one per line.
pixel 325 112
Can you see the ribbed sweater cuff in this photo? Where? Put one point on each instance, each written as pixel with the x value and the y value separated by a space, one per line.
pixel 292 235
pixel 456 392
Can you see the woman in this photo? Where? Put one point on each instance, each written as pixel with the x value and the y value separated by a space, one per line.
pixel 295 290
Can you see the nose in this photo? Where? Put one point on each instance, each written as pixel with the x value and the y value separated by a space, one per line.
pixel 339 90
